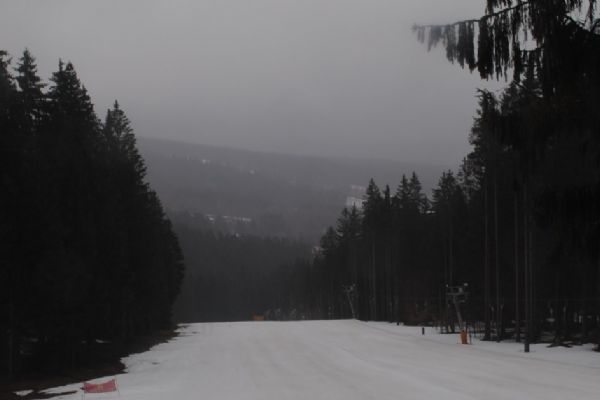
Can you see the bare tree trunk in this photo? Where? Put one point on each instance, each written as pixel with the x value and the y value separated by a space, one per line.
pixel 598 304
pixel 526 268
pixel 583 313
pixel 517 308
pixel 388 278
pixel 486 273
pixel 450 249
pixel 532 295
pixel 497 259
pixel 11 332
pixel 373 283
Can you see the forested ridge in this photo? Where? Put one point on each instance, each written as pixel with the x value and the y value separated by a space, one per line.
pixel 87 255
pixel 265 194
pixel 520 221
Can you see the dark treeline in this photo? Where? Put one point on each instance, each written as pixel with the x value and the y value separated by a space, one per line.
pixel 230 277
pixel 86 252
pixel 391 260
pixel 520 221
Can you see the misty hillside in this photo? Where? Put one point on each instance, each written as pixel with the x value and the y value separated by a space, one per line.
pixel 264 193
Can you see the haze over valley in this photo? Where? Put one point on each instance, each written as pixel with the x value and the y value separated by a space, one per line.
pixel 267 194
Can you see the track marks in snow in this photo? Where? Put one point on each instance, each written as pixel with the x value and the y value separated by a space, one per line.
pixel 313 360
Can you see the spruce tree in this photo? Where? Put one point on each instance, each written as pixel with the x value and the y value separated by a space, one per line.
pixel 31 95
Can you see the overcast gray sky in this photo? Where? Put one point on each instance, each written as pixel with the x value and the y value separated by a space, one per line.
pixel 320 77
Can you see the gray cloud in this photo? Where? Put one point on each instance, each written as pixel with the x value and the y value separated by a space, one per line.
pixel 324 77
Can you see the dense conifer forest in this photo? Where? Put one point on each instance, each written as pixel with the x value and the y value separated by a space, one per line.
pixel 519 221
pixel 87 255
pixel 230 277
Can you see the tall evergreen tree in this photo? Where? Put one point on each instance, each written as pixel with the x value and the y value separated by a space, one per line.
pixel 31 96
pixel 86 249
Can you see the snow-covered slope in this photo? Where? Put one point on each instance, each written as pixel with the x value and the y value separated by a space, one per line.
pixel 348 360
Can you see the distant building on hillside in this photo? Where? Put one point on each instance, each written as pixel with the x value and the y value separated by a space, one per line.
pixel 355 197
pixel 354 202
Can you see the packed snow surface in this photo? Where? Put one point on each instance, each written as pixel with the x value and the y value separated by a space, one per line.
pixel 348 360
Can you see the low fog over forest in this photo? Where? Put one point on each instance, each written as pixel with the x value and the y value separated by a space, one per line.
pixel 418 168
pixel 266 194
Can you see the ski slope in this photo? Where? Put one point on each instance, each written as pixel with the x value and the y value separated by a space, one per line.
pixel 347 360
